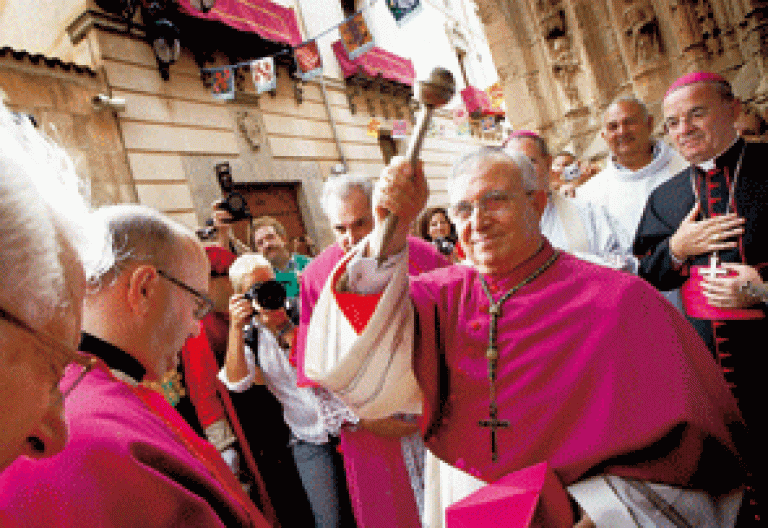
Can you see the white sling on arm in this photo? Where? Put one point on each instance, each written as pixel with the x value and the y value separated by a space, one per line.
pixel 370 372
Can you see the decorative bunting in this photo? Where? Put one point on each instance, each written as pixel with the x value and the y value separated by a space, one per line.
pixel 264 77
pixel 355 36
pixel 308 61
pixel 399 128
pixel 223 82
pixel 356 40
pixel 373 127
pixel 403 10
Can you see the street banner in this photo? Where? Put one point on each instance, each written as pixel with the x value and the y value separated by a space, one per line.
pixel 403 10
pixel 399 128
pixel 264 75
pixel 373 127
pixel 496 94
pixel 355 36
pixel 222 82
pixel 308 61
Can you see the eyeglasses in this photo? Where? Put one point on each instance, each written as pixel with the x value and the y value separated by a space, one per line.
pixel 60 354
pixel 693 115
pixel 204 303
pixel 492 202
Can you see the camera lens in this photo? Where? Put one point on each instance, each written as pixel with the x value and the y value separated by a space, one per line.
pixel 444 246
pixel 270 295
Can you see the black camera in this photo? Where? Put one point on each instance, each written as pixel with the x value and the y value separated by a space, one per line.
pixel 444 245
pixel 234 203
pixel 270 295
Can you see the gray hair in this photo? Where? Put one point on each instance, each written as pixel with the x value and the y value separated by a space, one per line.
pixel 244 266
pixel 630 99
pixel 43 209
pixel 136 234
pixel 539 141
pixel 341 186
pixel 488 155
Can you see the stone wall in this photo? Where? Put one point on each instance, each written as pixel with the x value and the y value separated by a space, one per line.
pixel 175 132
pixel 59 96
pixel 563 61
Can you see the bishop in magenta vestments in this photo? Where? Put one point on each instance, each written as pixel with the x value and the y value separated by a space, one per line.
pixel 597 374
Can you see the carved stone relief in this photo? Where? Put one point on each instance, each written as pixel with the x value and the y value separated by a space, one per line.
pixel 485 11
pixel 641 32
pixel 699 29
pixel 565 64
pixel 687 25
pixel 249 128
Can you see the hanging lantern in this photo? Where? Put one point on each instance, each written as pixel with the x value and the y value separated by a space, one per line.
pixel 153 9
pixel 163 36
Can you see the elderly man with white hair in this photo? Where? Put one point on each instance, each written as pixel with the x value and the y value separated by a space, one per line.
pixel 43 239
pixel 131 459
pixel 522 358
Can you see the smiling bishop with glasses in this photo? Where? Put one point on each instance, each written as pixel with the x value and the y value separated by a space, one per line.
pixel 131 459
pixel 521 358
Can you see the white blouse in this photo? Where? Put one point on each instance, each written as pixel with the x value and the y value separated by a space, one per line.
pixel 313 414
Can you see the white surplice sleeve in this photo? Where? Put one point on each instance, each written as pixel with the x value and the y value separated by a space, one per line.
pixel 370 371
pixel 609 244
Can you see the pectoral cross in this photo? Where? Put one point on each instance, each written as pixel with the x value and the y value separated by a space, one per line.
pixel 492 355
pixel 492 352
pixel 714 270
pixel 494 423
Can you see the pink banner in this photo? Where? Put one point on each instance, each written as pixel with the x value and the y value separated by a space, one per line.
pixel 375 62
pixel 268 20
pixel 478 102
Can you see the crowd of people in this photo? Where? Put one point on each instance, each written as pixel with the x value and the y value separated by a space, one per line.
pixel 603 322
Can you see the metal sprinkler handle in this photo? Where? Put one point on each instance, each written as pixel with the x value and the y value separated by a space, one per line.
pixel 434 92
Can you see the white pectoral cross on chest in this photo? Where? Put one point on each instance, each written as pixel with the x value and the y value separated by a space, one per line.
pixel 714 270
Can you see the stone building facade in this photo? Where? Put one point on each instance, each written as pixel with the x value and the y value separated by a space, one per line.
pixel 564 61
pixel 171 133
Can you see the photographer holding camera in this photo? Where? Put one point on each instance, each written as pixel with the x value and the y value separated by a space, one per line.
pixel 260 338
pixel 267 236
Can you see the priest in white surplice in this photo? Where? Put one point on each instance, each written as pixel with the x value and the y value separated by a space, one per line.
pixel 531 355
pixel 582 228
pixel 637 165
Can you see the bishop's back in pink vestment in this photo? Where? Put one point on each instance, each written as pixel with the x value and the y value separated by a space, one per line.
pixel 597 374
pixel 376 475
pixel 130 461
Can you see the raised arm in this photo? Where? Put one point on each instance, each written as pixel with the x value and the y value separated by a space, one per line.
pixel 240 367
